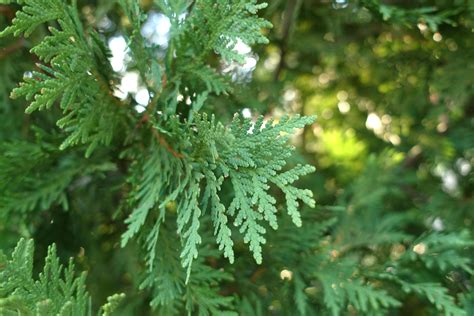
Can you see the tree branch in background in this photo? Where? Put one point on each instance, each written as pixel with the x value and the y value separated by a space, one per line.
pixel 4 52
pixel 7 11
pixel 286 30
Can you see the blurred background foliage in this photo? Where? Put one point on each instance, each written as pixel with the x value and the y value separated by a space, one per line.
pixel 391 83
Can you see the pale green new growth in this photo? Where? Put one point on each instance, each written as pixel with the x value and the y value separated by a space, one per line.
pixel 250 156
pixel 113 302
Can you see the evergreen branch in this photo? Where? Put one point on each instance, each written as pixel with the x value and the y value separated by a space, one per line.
pixel 437 295
pixel 74 73
pixel 251 161
pixel 56 292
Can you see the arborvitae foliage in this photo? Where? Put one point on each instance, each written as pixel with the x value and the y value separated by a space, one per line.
pixel 168 188
pixel 56 292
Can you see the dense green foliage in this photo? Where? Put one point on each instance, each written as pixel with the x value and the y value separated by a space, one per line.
pixel 129 142
pixel 50 294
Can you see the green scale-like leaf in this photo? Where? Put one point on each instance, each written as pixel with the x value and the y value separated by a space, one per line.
pixel 56 291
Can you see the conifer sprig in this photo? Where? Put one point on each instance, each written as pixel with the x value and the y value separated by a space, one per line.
pixel 250 158
pixel 72 73
pixel 57 291
pixel 199 186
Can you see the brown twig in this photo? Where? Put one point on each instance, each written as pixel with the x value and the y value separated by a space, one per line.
pixel 287 24
pixel 257 274
pixel 4 52
pixel 146 119
pixel 105 87
pixel 165 144
pixel 150 108
pixel 7 11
